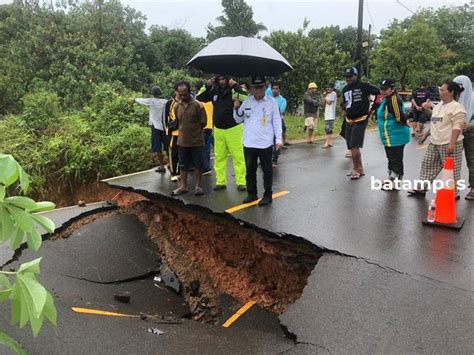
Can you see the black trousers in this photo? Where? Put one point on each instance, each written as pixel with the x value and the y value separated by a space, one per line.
pixel 395 160
pixel 252 155
pixel 173 156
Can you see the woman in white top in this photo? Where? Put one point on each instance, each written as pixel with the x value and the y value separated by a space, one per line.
pixel 447 121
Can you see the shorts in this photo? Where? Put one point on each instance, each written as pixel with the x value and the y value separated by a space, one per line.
pixel 159 140
pixel 355 134
pixel 191 157
pixel 310 122
pixel 329 126
pixel 419 116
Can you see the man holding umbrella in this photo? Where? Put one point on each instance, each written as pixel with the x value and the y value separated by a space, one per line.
pixel 227 132
pixel 262 125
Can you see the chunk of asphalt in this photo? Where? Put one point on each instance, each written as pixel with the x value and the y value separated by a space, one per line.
pixel 169 278
pixel 194 288
pixel 123 297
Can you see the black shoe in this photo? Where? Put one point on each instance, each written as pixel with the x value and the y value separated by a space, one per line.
pixel 266 200
pixel 242 188
pixel 250 198
pixel 219 187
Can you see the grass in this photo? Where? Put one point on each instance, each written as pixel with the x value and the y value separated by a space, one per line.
pixel 295 124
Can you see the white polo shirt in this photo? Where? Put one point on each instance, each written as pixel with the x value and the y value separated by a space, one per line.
pixel 262 122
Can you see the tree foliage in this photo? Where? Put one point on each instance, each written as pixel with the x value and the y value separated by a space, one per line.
pixel 410 52
pixel 315 57
pixel 237 20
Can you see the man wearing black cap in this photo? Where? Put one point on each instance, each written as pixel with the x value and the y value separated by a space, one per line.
pixel 262 125
pixel 356 102
pixel 227 133
pixel 159 140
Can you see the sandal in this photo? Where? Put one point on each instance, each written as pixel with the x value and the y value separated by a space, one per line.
pixel 325 147
pixel 198 191
pixel 355 175
pixel 416 193
pixel 178 192
pixel 470 196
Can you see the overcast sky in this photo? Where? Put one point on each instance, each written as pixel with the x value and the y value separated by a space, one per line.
pixel 281 14
pixel 194 15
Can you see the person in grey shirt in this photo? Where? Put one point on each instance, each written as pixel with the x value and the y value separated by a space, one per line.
pixel 159 140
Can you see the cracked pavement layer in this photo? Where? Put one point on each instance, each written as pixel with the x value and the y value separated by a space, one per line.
pixel 78 333
pixel 62 218
pixel 350 305
pixel 330 211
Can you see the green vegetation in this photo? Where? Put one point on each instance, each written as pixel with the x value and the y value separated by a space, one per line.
pixel 69 73
pixel 31 302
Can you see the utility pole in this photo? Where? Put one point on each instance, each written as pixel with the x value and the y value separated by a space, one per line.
pixel 368 52
pixel 359 63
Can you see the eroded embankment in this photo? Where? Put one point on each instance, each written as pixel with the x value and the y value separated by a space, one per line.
pixel 214 255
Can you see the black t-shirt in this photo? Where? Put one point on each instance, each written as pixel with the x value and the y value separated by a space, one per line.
pixel 356 100
pixel 421 95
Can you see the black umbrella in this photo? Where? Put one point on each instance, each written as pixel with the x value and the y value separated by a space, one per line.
pixel 240 56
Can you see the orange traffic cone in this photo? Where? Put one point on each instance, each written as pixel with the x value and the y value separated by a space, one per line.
pixel 446 199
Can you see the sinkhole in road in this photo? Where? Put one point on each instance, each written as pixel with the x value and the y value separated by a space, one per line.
pixel 213 255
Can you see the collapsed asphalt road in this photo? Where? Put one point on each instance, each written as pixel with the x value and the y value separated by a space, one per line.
pixel 321 283
pixel 382 278
pixel 111 256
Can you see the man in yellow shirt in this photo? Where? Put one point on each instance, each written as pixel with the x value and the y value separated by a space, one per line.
pixel 208 138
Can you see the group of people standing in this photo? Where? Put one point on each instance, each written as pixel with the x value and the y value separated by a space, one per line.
pixel 451 128
pixel 187 124
pixel 184 126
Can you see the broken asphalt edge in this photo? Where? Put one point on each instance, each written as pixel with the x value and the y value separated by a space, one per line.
pixel 64 226
pixel 274 235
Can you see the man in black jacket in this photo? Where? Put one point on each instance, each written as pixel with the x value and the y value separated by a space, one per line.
pixel 228 135
pixel 356 102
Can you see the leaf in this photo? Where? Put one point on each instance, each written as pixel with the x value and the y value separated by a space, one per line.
pixel 34 240
pixel 22 219
pixel 4 282
pixel 5 294
pixel 17 239
pixel 24 179
pixel 6 224
pixel 36 324
pixel 43 207
pixel 11 343
pixel 32 294
pixel 47 223
pixel 49 310
pixel 22 202
pixel 5 287
pixel 8 170
pixel 31 266
pixel 2 193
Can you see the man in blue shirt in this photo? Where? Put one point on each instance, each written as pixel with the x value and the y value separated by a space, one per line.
pixel 281 101
pixel 262 128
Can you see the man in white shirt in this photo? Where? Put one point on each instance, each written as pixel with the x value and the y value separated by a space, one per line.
pixel 262 125
pixel 159 140
pixel 329 114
